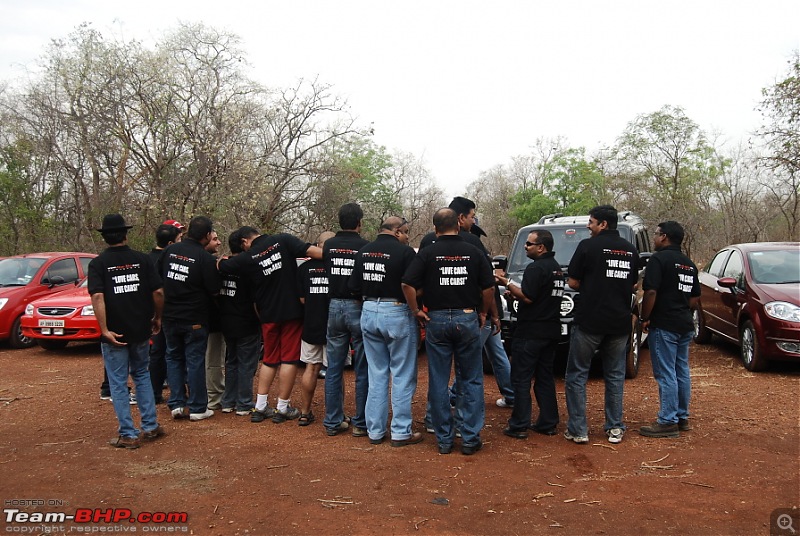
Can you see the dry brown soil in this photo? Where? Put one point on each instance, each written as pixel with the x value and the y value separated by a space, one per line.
pixel 727 476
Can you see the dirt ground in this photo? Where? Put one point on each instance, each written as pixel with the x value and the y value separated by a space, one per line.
pixel 730 475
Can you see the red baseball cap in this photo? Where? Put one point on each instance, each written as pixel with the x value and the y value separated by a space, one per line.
pixel 175 223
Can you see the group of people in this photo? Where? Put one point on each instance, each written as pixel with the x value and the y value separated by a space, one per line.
pixel 365 300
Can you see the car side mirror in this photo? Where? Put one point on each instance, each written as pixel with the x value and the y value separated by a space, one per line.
pixel 727 282
pixel 500 262
pixel 644 258
pixel 55 280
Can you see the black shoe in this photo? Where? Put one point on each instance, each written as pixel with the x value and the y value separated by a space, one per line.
pixel 445 449
pixel 516 434
pixel 377 441
pixel 283 416
pixel 338 429
pixel 469 450
pixel 683 425
pixel 660 430
pixel 415 438
pixel 544 431
pixel 261 415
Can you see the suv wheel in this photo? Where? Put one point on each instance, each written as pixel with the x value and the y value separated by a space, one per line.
pixel 634 347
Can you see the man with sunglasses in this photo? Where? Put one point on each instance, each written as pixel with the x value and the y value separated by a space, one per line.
pixel 536 337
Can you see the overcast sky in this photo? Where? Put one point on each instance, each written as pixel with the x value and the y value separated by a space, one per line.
pixel 467 85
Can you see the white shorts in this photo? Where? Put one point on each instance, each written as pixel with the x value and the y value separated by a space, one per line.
pixel 312 354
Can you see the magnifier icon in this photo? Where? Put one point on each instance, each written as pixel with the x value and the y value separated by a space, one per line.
pixel 785 522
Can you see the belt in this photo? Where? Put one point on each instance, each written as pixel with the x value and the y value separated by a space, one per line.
pixel 392 299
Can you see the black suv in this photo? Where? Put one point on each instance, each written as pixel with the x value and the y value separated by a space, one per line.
pixel 567 232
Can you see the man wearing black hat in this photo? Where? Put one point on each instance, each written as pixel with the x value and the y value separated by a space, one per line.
pixel 127 298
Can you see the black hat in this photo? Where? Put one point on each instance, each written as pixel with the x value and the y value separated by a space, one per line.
pixel 113 222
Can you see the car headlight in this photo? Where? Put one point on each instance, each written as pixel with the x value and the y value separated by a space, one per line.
pixel 88 310
pixel 3 301
pixel 29 309
pixel 783 311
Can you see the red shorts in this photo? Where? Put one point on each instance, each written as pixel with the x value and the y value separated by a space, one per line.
pixel 282 342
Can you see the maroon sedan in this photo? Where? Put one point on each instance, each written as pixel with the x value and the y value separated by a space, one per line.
pixel 751 296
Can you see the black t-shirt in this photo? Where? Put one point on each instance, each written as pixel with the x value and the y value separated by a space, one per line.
pixel 470 238
pixel 312 284
pixel 452 274
pixel 379 268
pixel 543 284
pixel 236 310
pixel 127 280
pixel 339 254
pixel 270 266
pixel 674 278
pixel 607 267
pixel 190 280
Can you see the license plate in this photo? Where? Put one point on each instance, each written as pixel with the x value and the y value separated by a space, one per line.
pixel 564 329
pixel 51 323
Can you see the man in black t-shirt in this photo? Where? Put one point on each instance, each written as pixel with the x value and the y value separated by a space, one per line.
pixel 242 332
pixel 536 337
pixel 312 287
pixel 344 325
pixel 390 332
pixel 605 270
pixel 671 291
pixel 269 264
pixel 127 299
pixel 458 288
pixel 190 282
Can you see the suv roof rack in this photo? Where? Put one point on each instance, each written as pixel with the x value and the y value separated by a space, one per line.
pixel 543 219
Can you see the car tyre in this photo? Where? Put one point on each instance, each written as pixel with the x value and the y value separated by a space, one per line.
pixel 52 344
pixel 702 334
pixel 17 339
pixel 752 357
pixel 632 360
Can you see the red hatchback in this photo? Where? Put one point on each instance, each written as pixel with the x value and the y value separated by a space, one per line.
pixel 65 316
pixel 751 296
pixel 25 278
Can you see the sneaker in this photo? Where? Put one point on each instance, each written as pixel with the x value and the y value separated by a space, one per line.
pixel 152 435
pixel 504 403
pixel 282 416
pixel 338 429
pixel 581 440
pixel 683 425
pixel 125 442
pixel 229 410
pixel 615 435
pixel 243 412
pixel 132 399
pixel 359 432
pixel 179 413
pixel 259 415
pixel 660 430
pixel 105 396
pixel 200 416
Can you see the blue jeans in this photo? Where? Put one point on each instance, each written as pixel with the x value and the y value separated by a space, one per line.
pixel 582 347
pixel 533 358
pixel 344 328
pixel 120 361
pixel 390 345
pixel 493 344
pixel 454 335
pixel 186 364
pixel 241 362
pixel 669 354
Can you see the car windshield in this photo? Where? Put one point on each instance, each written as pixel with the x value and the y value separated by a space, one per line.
pixel 775 266
pixel 565 241
pixel 18 272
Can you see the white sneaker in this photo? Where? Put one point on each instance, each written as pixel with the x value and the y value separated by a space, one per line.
pixel 501 402
pixel 615 435
pixel 200 416
pixel 230 410
pixel 179 413
pixel 577 439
